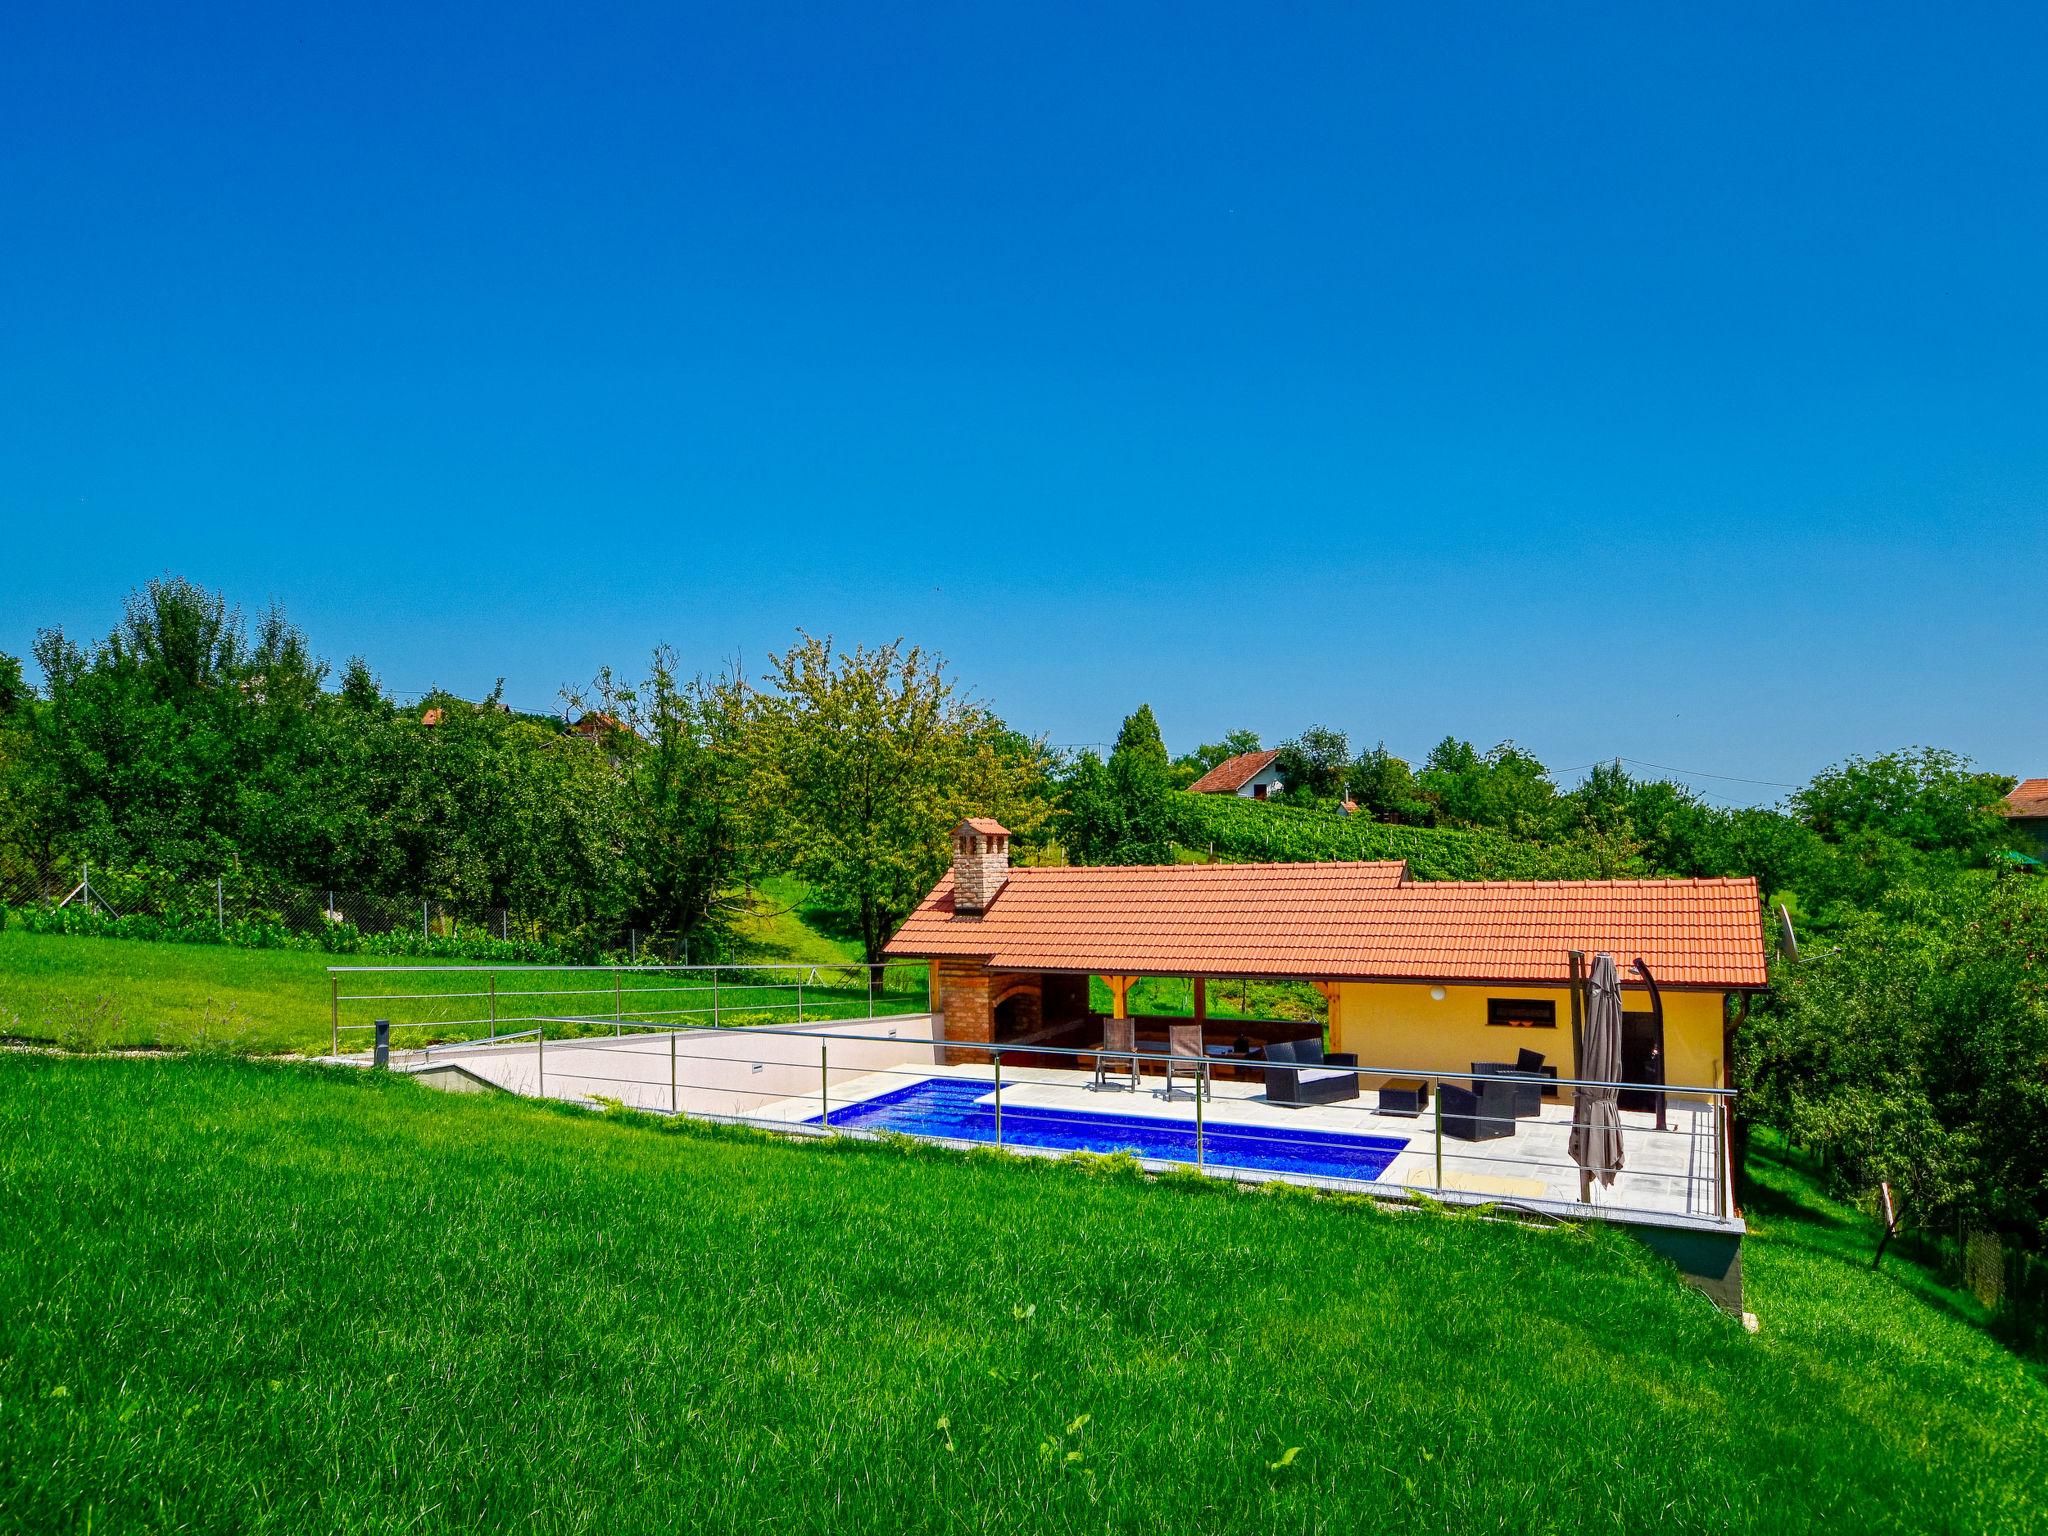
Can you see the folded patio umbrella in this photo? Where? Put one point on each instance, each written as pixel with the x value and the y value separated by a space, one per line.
pixel 1596 1113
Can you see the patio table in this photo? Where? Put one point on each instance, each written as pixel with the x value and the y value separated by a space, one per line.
pixel 1403 1096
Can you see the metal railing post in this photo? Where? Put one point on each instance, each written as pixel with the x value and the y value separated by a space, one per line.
pixel 540 1064
pixel 799 999
pixel 672 1100
pixel 1436 1093
pixel 1201 1092
pixel 825 1084
pixel 334 1016
pixel 871 991
pixel 996 1056
pixel 1724 1170
pixel 618 1002
pixel 714 995
pixel 494 1005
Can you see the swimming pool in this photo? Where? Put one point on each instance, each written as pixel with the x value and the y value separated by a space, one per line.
pixel 950 1107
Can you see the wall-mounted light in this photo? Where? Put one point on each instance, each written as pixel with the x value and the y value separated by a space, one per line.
pixel 1436 994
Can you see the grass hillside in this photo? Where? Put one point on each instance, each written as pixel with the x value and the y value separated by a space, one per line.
pixel 97 992
pixel 263 1297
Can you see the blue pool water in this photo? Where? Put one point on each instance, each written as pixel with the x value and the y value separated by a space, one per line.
pixel 945 1106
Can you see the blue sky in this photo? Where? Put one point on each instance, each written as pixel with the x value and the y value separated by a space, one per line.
pixel 1655 381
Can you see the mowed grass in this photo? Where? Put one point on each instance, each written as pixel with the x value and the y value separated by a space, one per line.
pixel 96 993
pixel 266 1297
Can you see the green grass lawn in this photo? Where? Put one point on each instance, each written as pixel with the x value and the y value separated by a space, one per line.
pixel 95 993
pixel 240 1296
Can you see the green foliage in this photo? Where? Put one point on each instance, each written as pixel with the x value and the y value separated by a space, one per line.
pixel 192 927
pixel 336 1301
pixel 863 761
pixel 1384 788
pixel 1926 798
pixel 1910 1049
pixel 1505 789
pixel 1314 765
pixel 1138 742
pixel 1246 830
pixel 686 829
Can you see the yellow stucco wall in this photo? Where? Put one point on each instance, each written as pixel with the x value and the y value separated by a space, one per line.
pixel 1402 1026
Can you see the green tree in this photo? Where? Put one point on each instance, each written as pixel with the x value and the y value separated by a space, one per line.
pixel 1138 741
pixel 687 830
pixel 1908 1052
pixel 1384 787
pixel 1924 797
pixel 863 761
pixel 1506 789
pixel 1314 765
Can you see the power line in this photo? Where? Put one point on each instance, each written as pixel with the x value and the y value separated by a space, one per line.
pixel 1693 773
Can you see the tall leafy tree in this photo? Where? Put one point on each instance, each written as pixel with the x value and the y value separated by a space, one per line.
pixel 863 761
pixel 1924 797
pixel 1909 1049
pixel 687 834
pixel 1384 787
pixel 1505 789
pixel 1314 765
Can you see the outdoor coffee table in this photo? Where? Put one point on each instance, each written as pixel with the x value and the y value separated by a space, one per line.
pixel 1403 1096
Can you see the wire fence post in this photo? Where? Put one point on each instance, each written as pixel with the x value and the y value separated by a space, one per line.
pixel 996 1055
pixel 672 1100
pixel 1436 1093
pixel 334 1014
pixel 825 1084
pixel 494 1005
pixel 423 921
pixel 220 905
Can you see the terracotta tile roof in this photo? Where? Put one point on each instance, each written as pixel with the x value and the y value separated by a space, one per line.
pixel 1344 922
pixel 987 826
pixel 2028 798
pixel 1231 775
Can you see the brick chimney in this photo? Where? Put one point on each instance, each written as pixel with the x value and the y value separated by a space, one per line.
pixel 981 863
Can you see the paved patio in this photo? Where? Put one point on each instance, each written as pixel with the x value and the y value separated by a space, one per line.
pixel 779 1078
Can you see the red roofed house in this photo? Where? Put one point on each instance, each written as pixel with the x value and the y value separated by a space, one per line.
pixel 1420 976
pixel 1249 775
pixel 2026 807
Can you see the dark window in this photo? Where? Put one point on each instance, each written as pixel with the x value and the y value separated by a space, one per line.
pixel 1521 1012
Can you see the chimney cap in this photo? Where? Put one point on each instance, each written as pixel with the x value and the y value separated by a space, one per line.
pixel 987 826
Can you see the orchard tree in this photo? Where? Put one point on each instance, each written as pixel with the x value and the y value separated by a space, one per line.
pixel 863 761
pixel 687 835
pixel 1908 1051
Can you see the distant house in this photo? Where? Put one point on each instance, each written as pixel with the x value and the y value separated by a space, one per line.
pixel 2027 809
pixel 433 716
pixel 1249 775
pixel 595 725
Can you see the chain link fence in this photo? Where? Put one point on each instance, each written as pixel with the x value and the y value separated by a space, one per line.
pixel 232 899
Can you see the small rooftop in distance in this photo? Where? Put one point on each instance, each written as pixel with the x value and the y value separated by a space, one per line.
pixel 2028 798
pixel 1231 775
